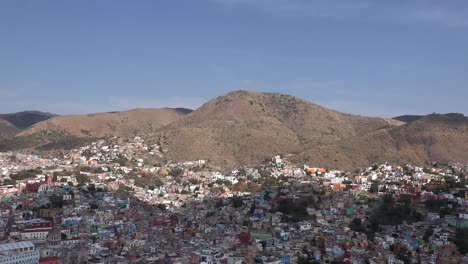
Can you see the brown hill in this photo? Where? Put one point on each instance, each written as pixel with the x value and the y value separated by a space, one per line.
pixel 125 124
pixel 247 127
pixel 432 138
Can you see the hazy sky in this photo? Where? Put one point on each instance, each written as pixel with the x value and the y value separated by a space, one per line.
pixel 378 58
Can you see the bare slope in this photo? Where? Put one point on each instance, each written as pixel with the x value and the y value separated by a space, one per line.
pixel 432 138
pixel 247 127
pixel 128 123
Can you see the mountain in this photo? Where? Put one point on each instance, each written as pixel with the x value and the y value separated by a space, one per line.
pixel 71 131
pixel 22 120
pixel 436 137
pixel 7 129
pixel 124 124
pixel 11 124
pixel 247 127
pixel 408 118
pixel 183 110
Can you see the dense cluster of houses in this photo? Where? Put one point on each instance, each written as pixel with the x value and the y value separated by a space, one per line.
pixel 120 201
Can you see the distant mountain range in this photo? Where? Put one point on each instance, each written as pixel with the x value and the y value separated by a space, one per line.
pixel 13 123
pixel 123 124
pixel 247 128
pixel 69 131
pixel 408 118
pixel 22 120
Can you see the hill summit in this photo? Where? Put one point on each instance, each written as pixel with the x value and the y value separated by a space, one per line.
pixel 247 128
pixel 244 127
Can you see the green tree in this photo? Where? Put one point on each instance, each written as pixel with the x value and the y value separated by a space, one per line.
pixel 122 160
pixel 56 201
pixel 158 182
pixel 176 172
pixel 102 189
pixel 374 187
pixel 55 175
pixel 264 173
pixel 25 174
pixel 293 211
pixel 461 240
pixel 237 201
pixel 91 188
pixel 392 213
pixel 356 225
pixel 82 179
pixel 429 232
pixel 85 168
pixel 87 153
pixel 9 182
pixel 242 172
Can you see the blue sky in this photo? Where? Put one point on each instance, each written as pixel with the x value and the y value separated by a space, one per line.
pixel 377 58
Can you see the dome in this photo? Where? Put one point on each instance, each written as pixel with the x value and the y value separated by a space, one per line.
pixel 54 237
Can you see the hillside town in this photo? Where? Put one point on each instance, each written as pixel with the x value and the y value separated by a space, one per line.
pixel 120 201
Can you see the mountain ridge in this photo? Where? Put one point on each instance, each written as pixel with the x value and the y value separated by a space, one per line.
pixel 124 123
pixel 244 127
pixel 437 137
pixel 13 123
pixel 247 128
pixel 25 119
pixel 408 118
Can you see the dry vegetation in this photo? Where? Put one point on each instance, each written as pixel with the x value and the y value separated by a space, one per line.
pixel 432 138
pixel 125 124
pixel 247 128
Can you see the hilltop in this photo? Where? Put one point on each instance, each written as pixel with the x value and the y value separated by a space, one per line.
pixel 245 127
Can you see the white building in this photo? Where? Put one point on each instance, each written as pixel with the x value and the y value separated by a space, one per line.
pixel 305 226
pixel 464 216
pixel 20 252
pixel 34 235
pixel 277 160
pixel 67 197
